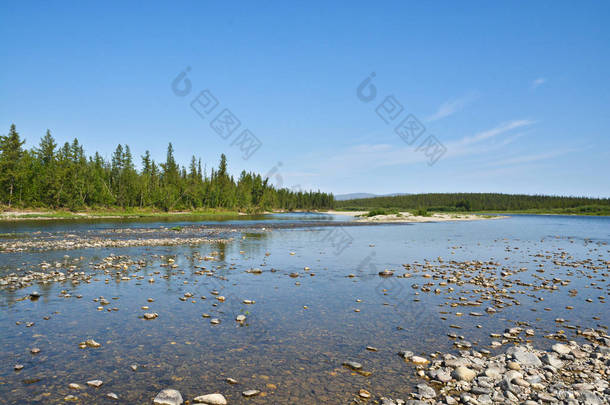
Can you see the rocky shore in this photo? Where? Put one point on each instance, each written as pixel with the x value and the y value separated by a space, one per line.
pixel 569 373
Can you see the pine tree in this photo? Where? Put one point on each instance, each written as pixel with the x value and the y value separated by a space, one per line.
pixel 10 156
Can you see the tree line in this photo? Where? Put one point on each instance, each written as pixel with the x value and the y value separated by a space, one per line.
pixel 54 176
pixel 480 202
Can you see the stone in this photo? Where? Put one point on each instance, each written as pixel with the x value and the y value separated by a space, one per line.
pixel 364 394
pixel 95 383
pixel 419 360
pixel 552 360
pixel 112 395
pixel 211 399
pixel 527 359
pixel 463 373
pixel 250 393
pixel 240 318
pixel 560 348
pixel 92 343
pixel 426 391
pixel 168 397
pixel 353 365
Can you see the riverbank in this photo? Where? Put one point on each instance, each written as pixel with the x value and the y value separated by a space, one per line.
pixel 361 216
pixel 38 215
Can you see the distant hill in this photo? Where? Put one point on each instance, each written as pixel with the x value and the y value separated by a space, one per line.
pixel 353 196
pixel 357 196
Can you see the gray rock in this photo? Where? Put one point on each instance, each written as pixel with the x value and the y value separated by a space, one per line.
pixel 590 398
pixel 211 399
pixel 464 374
pixel 426 391
pixel 552 360
pixel 527 359
pixel 353 365
pixel 168 397
pixel 477 390
pixel 250 393
pixel 560 348
pixel 95 383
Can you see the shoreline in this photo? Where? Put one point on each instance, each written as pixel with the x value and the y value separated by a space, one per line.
pixel 407 217
pixel 46 215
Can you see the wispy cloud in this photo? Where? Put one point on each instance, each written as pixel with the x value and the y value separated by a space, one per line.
pixel 450 107
pixel 364 157
pixel 538 82
pixel 498 130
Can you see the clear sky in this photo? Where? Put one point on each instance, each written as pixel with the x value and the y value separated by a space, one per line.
pixel 517 92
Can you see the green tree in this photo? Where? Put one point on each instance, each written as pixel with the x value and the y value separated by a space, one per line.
pixel 10 156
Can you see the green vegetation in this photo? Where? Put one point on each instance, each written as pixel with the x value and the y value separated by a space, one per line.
pixel 481 202
pixel 380 211
pixel 422 212
pixel 55 177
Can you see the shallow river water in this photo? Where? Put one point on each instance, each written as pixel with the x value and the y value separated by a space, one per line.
pixel 319 301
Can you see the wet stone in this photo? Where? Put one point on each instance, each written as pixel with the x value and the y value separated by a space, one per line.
pixel 353 365
pixel 168 397
pixel 211 399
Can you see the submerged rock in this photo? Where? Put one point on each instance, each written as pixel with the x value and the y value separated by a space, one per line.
pixel 168 397
pixel 211 399
pixel 353 365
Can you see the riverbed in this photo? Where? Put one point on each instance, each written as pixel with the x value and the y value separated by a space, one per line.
pixel 312 292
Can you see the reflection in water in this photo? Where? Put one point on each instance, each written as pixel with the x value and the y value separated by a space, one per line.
pixel 309 315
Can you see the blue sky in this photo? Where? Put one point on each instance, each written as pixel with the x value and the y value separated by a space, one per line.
pixel 517 92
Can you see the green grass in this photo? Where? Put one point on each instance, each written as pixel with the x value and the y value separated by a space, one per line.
pixel 421 212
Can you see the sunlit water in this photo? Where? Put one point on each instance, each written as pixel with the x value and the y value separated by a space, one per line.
pixel 300 330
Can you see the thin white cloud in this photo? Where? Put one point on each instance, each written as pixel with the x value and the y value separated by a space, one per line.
pixel 450 107
pixel 538 82
pixel 498 130
pixel 363 157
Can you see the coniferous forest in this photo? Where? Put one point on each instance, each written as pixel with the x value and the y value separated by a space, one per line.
pixel 497 202
pixel 53 176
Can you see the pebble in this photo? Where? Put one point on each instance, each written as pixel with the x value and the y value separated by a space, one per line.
pixel 211 399
pixel 353 365
pixel 364 394
pixel 95 383
pixel 250 393
pixel 92 343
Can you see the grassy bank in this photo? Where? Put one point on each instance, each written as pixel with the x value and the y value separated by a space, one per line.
pixel 18 215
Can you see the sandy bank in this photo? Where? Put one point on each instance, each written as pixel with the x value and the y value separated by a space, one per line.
pixel 408 217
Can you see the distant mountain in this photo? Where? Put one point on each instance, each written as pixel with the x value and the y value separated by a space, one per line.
pixel 355 196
